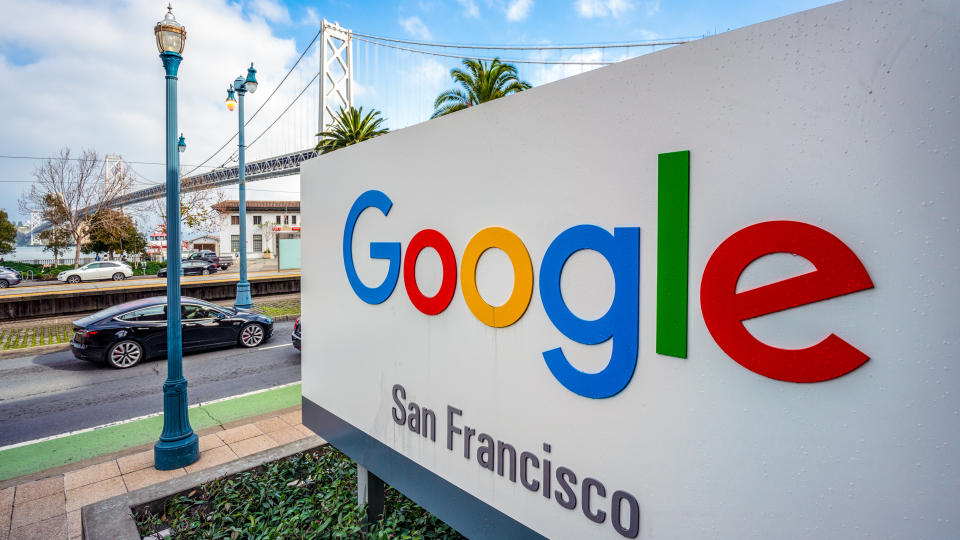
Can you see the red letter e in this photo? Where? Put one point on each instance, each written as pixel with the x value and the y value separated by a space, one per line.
pixel 838 272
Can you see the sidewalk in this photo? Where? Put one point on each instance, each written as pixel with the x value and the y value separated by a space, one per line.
pixel 49 507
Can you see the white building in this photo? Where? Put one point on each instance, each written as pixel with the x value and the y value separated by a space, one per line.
pixel 266 221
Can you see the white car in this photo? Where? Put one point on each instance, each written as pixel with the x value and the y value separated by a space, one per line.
pixel 116 271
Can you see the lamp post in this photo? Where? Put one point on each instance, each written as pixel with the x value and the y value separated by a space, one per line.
pixel 178 445
pixel 235 93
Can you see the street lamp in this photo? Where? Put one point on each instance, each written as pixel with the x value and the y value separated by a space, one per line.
pixel 235 95
pixel 178 445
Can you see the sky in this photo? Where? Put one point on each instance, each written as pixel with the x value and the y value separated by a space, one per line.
pixel 84 74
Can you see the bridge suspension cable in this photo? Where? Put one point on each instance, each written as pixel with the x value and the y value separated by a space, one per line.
pixel 567 47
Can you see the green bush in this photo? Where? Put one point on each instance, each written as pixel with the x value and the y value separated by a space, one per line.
pixel 312 495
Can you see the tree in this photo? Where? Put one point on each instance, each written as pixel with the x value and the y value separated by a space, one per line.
pixel 196 210
pixel 8 234
pixel 112 230
pixel 55 239
pixel 78 190
pixel 57 236
pixel 350 126
pixel 481 82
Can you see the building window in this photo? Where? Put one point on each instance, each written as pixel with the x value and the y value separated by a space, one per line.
pixel 234 242
pixel 286 220
pixel 234 220
pixel 257 243
pixel 257 220
pixel 293 219
pixel 278 220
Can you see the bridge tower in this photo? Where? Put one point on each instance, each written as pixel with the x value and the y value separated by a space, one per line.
pixel 336 66
pixel 114 180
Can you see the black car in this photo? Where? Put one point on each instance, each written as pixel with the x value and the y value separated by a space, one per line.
pixel 123 335
pixel 296 334
pixel 210 257
pixel 197 267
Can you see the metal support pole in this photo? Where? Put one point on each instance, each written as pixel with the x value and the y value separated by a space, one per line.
pixel 370 493
pixel 244 300
pixel 178 445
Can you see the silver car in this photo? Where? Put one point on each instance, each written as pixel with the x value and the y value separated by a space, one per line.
pixel 8 277
pixel 116 271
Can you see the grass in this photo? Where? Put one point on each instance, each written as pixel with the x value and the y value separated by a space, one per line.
pixel 312 495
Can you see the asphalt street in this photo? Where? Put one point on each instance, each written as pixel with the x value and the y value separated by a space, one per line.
pixel 55 393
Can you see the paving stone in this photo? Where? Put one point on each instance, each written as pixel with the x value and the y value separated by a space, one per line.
pixel 293 417
pixel 74 524
pixel 239 433
pixel 252 446
pixel 6 511
pixel 286 435
pixel 305 430
pixel 91 493
pixel 214 456
pixel 90 475
pixel 210 441
pixel 135 462
pixel 272 424
pixel 48 529
pixel 6 498
pixel 37 510
pixel 39 489
pixel 149 476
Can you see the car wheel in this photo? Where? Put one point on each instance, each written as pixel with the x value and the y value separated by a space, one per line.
pixel 125 354
pixel 206 272
pixel 119 276
pixel 73 279
pixel 251 335
pixel 4 284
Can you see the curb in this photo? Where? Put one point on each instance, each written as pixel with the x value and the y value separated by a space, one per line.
pixel 113 519
pixel 36 350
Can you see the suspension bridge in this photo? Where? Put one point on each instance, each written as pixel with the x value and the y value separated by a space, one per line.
pixel 341 68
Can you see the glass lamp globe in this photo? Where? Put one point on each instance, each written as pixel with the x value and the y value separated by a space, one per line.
pixel 171 35
pixel 231 99
pixel 251 82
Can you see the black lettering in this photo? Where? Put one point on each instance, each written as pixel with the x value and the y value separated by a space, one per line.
pixel 430 424
pixel 399 393
pixel 501 446
pixel 565 477
pixel 413 420
pixel 527 457
pixel 600 516
pixel 468 432
pixel 485 453
pixel 633 527
pixel 451 429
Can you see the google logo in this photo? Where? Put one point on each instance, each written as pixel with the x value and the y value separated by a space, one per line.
pixel 838 271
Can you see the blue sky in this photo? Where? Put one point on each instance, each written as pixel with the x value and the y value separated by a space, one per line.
pixel 102 89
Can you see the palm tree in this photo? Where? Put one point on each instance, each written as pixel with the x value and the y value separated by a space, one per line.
pixel 479 83
pixel 350 126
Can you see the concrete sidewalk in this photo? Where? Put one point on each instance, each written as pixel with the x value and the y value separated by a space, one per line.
pixel 47 506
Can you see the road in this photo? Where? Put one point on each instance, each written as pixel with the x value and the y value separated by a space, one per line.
pixel 56 393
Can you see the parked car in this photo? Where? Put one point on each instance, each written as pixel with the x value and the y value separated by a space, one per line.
pixel 8 277
pixel 296 333
pixel 114 270
pixel 209 256
pixel 194 267
pixel 124 335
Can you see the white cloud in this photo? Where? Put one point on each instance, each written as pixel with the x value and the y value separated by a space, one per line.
pixel 113 101
pixel 311 19
pixel 652 7
pixel 604 8
pixel 415 27
pixel 271 11
pixel 549 73
pixel 469 8
pixel 518 10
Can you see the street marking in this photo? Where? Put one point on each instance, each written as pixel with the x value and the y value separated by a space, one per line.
pixel 129 420
pixel 274 346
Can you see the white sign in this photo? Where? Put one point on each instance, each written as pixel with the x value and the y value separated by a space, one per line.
pixel 719 301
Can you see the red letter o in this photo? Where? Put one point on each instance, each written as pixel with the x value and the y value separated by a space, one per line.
pixel 448 285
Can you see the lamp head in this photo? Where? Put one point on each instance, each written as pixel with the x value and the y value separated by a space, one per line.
pixel 231 99
pixel 251 82
pixel 170 34
pixel 181 144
